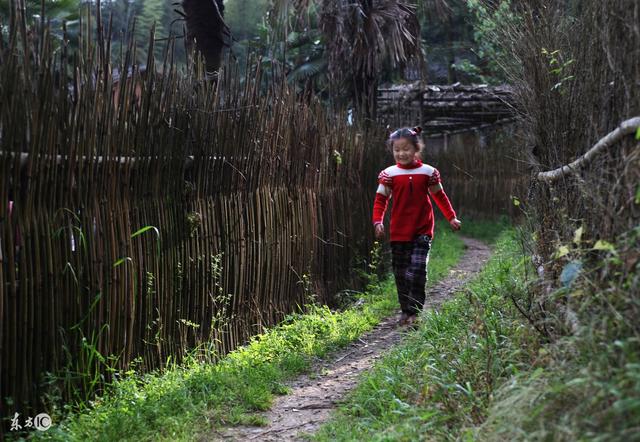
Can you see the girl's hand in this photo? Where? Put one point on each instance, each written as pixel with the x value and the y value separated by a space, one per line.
pixel 379 231
pixel 455 224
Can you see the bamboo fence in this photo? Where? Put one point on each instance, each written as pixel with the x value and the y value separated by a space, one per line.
pixel 190 214
pixel 482 170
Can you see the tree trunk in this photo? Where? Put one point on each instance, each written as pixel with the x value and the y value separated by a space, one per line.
pixel 206 26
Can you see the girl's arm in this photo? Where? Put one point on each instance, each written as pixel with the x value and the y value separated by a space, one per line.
pixel 379 208
pixel 442 200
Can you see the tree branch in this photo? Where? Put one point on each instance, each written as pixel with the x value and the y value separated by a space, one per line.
pixel 626 127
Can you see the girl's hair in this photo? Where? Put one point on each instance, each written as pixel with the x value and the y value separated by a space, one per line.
pixel 410 133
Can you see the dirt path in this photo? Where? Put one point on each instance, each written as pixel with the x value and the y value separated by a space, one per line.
pixel 314 396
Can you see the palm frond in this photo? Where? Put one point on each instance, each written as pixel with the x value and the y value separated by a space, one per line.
pixel 361 35
pixel 299 39
pixel 308 70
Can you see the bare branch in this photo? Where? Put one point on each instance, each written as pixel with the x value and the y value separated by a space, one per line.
pixel 627 127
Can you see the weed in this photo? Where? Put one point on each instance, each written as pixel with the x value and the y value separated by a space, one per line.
pixel 587 383
pixel 183 401
pixel 479 370
pixel 442 378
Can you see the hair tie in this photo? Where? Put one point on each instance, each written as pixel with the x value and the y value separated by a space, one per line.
pixel 417 130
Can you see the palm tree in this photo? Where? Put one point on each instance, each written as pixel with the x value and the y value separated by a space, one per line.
pixel 361 36
pixel 349 43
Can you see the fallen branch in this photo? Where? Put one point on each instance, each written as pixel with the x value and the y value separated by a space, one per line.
pixel 626 128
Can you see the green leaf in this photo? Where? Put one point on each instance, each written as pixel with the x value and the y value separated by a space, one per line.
pixel 121 260
pixel 70 268
pixel 562 251
pixel 70 212
pixel 638 133
pixel 145 229
pixel 337 157
pixel 577 235
pixel 604 245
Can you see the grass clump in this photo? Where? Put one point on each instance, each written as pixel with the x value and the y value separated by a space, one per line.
pixel 587 384
pixel 170 404
pixel 446 250
pixel 442 378
pixel 479 370
pixel 187 400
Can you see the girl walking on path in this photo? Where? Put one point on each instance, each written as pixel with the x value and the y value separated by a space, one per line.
pixel 412 221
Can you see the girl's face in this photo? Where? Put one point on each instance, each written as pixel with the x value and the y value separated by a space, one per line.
pixel 404 151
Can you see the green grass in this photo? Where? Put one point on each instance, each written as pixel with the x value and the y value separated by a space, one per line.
pixel 487 230
pixel 585 384
pixel 446 250
pixel 184 401
pixel 441 379
pixel 477 370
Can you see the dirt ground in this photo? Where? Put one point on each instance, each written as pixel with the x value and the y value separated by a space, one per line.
pixel 314 396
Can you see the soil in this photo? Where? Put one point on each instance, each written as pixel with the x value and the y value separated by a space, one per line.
pixel 314 396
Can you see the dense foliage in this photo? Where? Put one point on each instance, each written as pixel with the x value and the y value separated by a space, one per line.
pixel 298 38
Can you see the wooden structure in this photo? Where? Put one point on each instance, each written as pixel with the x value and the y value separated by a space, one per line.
pixel 445 109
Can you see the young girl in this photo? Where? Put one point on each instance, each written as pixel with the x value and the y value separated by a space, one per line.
pixel 410 182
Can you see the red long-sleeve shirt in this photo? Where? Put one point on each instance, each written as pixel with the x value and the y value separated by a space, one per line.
pixel 411 213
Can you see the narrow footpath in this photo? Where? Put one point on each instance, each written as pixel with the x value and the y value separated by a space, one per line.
pixel 314 396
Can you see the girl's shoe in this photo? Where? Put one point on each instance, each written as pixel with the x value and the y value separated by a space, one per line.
pixel 412 321
pixel 404 319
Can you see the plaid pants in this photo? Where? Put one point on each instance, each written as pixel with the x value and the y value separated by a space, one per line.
pixel 409 262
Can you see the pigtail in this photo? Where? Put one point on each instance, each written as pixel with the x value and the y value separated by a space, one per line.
pixel 412 134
